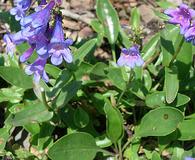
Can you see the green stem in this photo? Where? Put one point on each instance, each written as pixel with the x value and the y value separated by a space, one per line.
pixel 45 101
pixel 123 92
pixel 113 52
pixel 126 145
pixel 107 152
pixel 177 51
pixel 120 150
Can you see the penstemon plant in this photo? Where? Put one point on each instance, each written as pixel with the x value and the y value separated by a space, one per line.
pixel 68 105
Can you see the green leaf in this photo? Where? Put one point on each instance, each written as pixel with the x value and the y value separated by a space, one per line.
pixel 160 122
pixel 186 130
pixel 103 141
pixel 97 26
pixel 52 70
pixel 16 76
pixel 81 118
pixel 157 99
pixel 61 81
pixel 161 15
pixel 75 146
pixel 169 42
pixel 155 156
pixel 123 37
pixel 98 69
pixel 4 135
pixel 114 122
pixel 32 128
pixel 135 18
pixel 147 80
pixel 184 61
pixel 86 48
pixel 171 83
pixel 13 94
pixel 31 113
pixel 109 18
pixel 66 94
pixel 150 47
pixel 165 4
pixel 117 78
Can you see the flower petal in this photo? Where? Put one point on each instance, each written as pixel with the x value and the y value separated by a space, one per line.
pixel 56 60
pixel 67 55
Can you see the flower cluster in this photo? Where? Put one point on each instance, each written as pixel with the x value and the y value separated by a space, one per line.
pixel 48 41
pixel 130 57
pixel 185 18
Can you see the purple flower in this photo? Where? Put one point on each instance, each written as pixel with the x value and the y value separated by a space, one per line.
pixel 37 68
pixel 190 34
pixel 27 54
pixel 130 57
pixel 36 22
pixel 12 40
pixel 189 158
pixel 58 47
pixel 182 16
pixel 41 46
pixel 20 10
pixel 24 4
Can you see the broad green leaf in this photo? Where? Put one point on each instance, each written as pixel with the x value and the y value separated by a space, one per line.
pixel 147 80
pixel 81 118
pixel 52 70
pixel 150 47
pixel 171 84
pixel 186 130
pixel 103 142
pixel 155 156
pixel 97 26
pixel 123 37
pixel 157 99
pixel 32 113
pixel 117 77
pixel 184 61
pixel 169 42
pixel 16 76
pixel 75 146
pixel 135 18
pixel 98 69
pixel 66 94
pixel 83 70
pixel 160 122
pixel 63 78
pixel 165 4
pixel 161 15
pixel 99 29
pixel 4 135
pixel 114 122
pixel 32 128
pixel 109 18
pixel 86 48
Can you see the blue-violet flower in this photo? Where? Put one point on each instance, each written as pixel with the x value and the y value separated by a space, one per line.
pixel 58 47
pixel 181 15
pixel 130 57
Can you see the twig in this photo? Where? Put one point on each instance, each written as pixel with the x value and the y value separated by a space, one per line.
pixel 75 16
